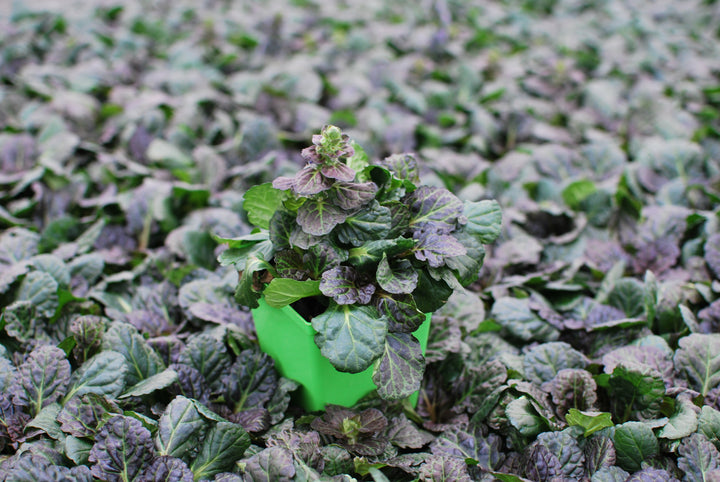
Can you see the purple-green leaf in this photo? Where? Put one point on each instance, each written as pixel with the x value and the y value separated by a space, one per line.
pixel 434 209
pixel 44 377
pixel 401 367
pixel 342 285
pixel 122 450
pixel 318 216
pixel 434 248
pixel 396 278
pixel 309 180
pixel 353 195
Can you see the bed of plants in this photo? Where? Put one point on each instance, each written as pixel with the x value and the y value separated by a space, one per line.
pixel 589 349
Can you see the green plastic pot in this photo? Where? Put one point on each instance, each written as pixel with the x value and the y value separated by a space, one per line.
pixel 290 341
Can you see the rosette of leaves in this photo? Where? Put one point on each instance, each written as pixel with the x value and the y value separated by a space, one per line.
pixel 367 247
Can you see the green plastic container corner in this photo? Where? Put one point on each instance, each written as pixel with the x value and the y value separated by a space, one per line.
pixel 290 341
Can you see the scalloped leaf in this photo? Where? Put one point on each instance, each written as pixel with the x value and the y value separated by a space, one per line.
pixel 261 202
pixel 318 217
pixel 353 195
pixel 400 369
pixel 435 248
pixel 223 445
pixel 341 285
pixel 180 428
pixel 397 278
pixel 698 356
pixel 310 180
pixel 44 377
pixel 484 220
pixel 351 337
pixel 368 224
pixel 435 209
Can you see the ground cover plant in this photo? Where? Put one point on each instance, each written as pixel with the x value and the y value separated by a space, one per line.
pixel 589 349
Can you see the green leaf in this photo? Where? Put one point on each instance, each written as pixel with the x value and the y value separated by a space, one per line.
pixel 77 449
pixel 284 291
pixel 628 295
pixel 46 420
pixel 369 224
pixel 224 444
pixel 636 392
pixel 246 294
pixel 709 424
pixel 152 383
pixel 430 294
pixel 635 442
pixel 372 252
pixel 651 297
pixel 522 415
pixel 400 278
pixel 484 220
pixel 681 423
pixel 543 362
pixel 260 202
pixel 591 422
pixel 577 191
pixel 351 337
pixel 141 359
pixel 698 356
pixel 515 315
pixel 40 289
pixel 103 374
pixel 180 429
pixel 400 369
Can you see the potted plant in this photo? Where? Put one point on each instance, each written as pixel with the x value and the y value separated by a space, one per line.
pixel 358 255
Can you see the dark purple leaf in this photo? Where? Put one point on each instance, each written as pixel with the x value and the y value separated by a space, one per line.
pixel 403 166
pixel 274 464
pixel 352 195
pixel 465 444
pixel 123 449
pixel 341 284
pixel 712 253
pixel 401 312
pixel 650 474
pixel 166 469
pixel 541 464
pixel 82 415
pixel 252 420
pixel 401 367
pixel 44 377
pixel 698 458
pixel 599 452
pixel 434 248
pixel 404 434
pixel 251 380
pixel 572 388
pixel 207 355
pixel 360 433
pixel 191 383
pixel 443 468
pixel 303 445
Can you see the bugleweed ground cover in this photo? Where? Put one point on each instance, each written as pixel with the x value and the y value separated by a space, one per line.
pixel 588 350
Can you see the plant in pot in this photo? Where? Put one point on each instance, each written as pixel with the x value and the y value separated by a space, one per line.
pixel 357 255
